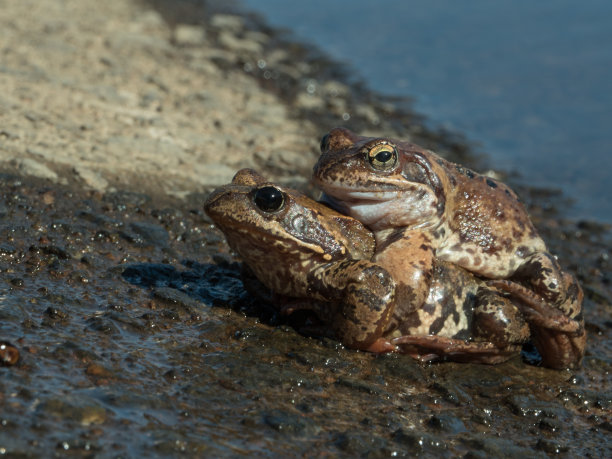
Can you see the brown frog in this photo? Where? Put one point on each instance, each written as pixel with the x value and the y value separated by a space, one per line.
pixel 321 259
pixel 426 208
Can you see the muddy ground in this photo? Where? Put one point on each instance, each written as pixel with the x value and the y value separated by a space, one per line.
pixel 134 332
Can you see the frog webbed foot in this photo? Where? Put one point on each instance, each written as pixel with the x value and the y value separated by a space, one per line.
pixel 559 337
pixel 432 347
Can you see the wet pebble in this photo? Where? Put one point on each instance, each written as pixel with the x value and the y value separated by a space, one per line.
pixel 9 354
pixel 76 409
pixel 452 393
pixel 102 325
pixel 290 423
pixel 499 447
pixel 360 385
pixel 400 366
pixel 123 199
pixel 98 371
pixel 56 313
pixel 447 423
pixel 529 406
pixel 416 442
pixel 551 446
pixel 16 282
pixel 58 251
pixel 7 250
pixel 361 444
pixel 149 234
pixel 183 304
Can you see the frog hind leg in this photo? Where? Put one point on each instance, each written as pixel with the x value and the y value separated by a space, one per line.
pixel 559 337
pixel 433 347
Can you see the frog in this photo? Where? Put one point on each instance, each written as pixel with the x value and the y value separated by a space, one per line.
pixel 417 202
pixel 320 260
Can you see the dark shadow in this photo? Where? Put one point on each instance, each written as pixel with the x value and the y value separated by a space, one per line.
pixel 217 285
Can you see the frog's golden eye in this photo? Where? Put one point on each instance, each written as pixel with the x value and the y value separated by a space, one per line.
pixel 269 199
pixel 382 157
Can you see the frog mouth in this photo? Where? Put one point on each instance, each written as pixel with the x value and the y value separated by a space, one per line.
pixel 371 208
pixel 355 197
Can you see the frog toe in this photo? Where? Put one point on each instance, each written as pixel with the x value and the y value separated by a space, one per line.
pixel 426 348
pixel 560 350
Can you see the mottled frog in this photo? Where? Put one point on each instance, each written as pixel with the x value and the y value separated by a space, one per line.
pixel 420 205
pixel 321 259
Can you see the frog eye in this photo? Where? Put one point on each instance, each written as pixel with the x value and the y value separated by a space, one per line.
pixel 383 157
pixel 269 199
pixel 324 143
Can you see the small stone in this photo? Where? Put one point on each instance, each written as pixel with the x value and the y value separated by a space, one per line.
pixel 216 175
pixel 227 21
pixel 9 354
pixel 150 234
pixel 93 415
pixel 92 179
pixel 308 101
pixel 233 43
pixel 34 168
pixel 98 371
pixel 55 313
pixel 189 35
pixel 334 88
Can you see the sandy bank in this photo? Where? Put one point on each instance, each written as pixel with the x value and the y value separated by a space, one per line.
pixel 106 94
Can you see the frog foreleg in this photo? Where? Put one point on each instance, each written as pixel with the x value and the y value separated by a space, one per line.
pixel 542 274
pixel 366 293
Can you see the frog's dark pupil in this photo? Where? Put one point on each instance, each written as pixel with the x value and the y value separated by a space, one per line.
pixel 383 156
pixel 269 199
pixel 324 145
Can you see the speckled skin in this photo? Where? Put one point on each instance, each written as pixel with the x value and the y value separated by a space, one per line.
pixel 422 207
pixel 461 319
pixel 306 250
pixel 321 259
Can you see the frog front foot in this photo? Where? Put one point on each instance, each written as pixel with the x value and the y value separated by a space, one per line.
pixel 367 303
pixel 557 331
pixel 332 314
pixel 381 346
pixel 431 348
pixel 542 274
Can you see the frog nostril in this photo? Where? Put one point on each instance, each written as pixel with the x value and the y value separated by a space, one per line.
pixel 324 143
pixel 269 199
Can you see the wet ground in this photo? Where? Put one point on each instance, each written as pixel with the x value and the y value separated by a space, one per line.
pixel 136 337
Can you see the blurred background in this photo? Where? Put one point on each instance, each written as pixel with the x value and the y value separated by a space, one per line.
pixel 530 83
